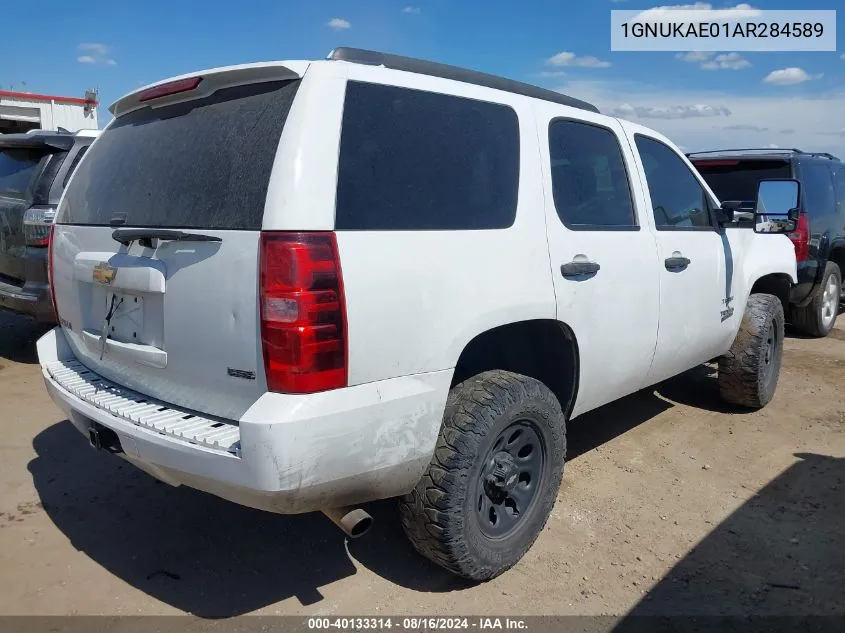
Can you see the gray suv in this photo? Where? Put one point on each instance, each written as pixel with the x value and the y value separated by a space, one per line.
pixel 34 169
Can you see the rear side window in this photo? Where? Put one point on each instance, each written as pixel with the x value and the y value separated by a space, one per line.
pixel 739 179
pixel 589 179
pixel 203 163
pixel 18 167
pixel 414 160
pixel 839 178
pixel 817 187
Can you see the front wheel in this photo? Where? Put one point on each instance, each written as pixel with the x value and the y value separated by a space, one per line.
pixel 748 373
pixel 494 476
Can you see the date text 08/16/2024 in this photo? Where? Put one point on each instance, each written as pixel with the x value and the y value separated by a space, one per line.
pixel 415 623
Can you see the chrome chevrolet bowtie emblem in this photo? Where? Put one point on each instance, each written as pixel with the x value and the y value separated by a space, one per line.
pixel 103 273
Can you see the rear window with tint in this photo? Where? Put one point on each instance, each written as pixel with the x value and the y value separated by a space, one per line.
pixel 739 181
pixel 18 167
pixel 415 160
pixel 204 163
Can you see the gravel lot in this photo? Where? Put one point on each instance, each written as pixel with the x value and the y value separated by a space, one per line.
pixel 672 503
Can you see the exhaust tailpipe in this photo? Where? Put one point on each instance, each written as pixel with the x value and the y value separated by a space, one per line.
pixel 353 521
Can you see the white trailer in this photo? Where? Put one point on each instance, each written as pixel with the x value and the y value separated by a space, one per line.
pixel 24 111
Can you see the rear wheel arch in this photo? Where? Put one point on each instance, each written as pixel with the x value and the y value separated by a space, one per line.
pixel 837 256
pixel 543 349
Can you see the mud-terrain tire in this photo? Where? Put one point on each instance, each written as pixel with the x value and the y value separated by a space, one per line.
pixel 748 373
pixel 494 476
pixel 818 317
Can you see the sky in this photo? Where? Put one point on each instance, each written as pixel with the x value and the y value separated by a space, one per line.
pixel 701 101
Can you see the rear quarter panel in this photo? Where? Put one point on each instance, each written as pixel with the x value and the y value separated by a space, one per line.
pixel 414 299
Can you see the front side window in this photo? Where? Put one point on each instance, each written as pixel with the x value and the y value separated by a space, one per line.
pixel 677 198
pixel 589 180
pixel 412 160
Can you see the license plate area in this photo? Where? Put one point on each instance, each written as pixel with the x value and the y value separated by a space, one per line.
pixel 127 321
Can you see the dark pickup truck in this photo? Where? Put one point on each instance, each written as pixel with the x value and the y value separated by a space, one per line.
pixel 34 169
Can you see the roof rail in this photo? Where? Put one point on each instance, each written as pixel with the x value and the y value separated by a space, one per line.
pixel 824 155
pixel 444 71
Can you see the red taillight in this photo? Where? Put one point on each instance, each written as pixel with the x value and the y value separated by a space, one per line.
pixel 170 88
pixel 801 238
pixel 50 277
pixel 303 316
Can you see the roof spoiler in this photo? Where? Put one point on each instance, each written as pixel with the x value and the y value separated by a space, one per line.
pixel 208 81
pixel 58 141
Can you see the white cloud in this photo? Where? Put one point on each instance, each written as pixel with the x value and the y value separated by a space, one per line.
pixel 746 126
pixel 694 56
pixel 727 61
pixel 552 73
pixel 694 111
pixel 96 54
pixel 95 48
pixel 567 58
pixel 698 12
pixel 338 24
pixel 789 76
pixel 663 108
pixel 712 61
pixel 414 10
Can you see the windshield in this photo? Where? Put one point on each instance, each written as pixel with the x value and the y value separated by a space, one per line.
pixel 17 169
pixel 738 180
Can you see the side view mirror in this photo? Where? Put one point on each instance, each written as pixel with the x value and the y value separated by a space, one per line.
pixel 776 209
pixel 727 211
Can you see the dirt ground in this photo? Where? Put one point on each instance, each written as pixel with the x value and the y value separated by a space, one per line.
pixel 672 503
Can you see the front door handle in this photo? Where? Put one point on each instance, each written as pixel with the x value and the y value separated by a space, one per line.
pixel 575 269
pixel 676 263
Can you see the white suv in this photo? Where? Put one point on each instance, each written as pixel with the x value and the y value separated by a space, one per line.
pixel 307 285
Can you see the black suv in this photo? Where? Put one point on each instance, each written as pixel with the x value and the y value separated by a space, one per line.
pixel 34 169
pixel 819 237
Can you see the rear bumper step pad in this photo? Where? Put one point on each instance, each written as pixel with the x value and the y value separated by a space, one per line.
pixel 142 411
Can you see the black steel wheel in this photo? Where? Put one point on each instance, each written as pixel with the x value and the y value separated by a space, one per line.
pixel 510 477
pixel 772 349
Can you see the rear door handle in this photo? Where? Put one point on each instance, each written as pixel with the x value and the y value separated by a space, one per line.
pixel 677 263
pixel 574 269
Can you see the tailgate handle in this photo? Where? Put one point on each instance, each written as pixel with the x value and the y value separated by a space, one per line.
pixel 141 354
pixel 145 236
